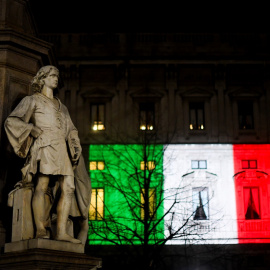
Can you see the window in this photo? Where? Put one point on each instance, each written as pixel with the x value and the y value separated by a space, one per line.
pixel 150 165
pixel 249 164
pixel 198 164
pixel 251 203
pixel 196 116
pixel 152 203
pixel 96 165
pixel 96 210
pixel 97 117
pixel 200 203
pixel 147 116
pixel 245 115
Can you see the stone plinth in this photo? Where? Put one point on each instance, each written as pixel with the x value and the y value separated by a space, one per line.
pixel 22 221
pixel 43 244
pixel 35 257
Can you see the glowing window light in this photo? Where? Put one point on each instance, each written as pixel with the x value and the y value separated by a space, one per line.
pixel 147 116
pixel 196 115
pixel 96 165
pixel 98 125
pixel 96 210
pixel 146 127
pixel 152 203
pixel 150 165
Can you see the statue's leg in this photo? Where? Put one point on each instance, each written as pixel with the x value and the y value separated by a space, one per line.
pixel 84 226
pixel 63 209
pixel 38 204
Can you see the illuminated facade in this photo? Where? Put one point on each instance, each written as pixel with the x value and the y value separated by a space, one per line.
pixel 119 193
pixel 204 97
pixel 223 189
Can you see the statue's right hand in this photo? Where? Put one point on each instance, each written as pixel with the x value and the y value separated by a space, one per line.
pixel 36 131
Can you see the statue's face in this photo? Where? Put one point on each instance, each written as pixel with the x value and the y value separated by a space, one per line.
pixel 51 81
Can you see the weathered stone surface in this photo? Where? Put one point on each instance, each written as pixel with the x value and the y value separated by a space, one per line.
pixel 22 221
pixel 43 244
pixel 48 259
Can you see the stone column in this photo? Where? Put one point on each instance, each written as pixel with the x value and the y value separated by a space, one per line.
pixel 121 87
pixel 21 55
pixel 220 86
pixel 171 86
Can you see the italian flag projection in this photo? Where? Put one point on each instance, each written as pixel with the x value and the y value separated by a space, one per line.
pixel 124 177
pixel 252 192
pixel 228 187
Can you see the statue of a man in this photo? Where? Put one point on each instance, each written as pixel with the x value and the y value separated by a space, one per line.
pixel 41 130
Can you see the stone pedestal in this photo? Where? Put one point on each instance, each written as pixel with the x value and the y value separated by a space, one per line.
pixel 22 221
pixel 47 254
pixel 43 244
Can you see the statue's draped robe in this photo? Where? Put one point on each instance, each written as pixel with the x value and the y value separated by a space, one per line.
pixel 52 151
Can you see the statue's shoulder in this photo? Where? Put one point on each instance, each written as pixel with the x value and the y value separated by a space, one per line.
pixel 27 100
pixel 36 98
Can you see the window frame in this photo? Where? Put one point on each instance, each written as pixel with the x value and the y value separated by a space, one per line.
pixel 259 202
pixel 198 190
pixel 242 102
pixel 96 121
pixel 97 162
pixel 196 108
pixel 249 161
pixel 96 213
pixel 147 123
pixel 152 216
pixel 199 160
pixel 150 167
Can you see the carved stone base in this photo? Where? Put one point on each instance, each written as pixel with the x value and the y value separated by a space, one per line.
pixel 44 244
pixel 38 259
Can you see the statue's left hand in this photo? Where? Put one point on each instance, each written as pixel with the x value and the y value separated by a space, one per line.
pixel 76 156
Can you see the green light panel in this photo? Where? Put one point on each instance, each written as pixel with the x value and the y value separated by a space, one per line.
pixel 122 180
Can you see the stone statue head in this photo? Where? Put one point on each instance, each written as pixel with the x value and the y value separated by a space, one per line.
pixel 37 82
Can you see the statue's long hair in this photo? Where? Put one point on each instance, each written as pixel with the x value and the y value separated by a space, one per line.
pixel 37 82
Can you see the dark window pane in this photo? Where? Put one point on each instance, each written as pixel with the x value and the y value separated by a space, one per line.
pixel 200 202
pixel 249 164
pixel 97 117
pixel 245 114
pixel 196 115
pixel 245 164
pixel 253 164
pixel 147 116
pixel 252 203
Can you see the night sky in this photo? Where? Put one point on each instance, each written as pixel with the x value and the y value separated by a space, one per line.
pixel 87 16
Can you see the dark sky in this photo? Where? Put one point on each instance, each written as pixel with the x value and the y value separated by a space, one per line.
pixel 83 16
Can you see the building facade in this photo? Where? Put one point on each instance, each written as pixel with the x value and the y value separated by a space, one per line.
pixel 202 96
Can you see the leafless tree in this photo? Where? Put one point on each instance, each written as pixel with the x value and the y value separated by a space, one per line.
pixel 145 214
